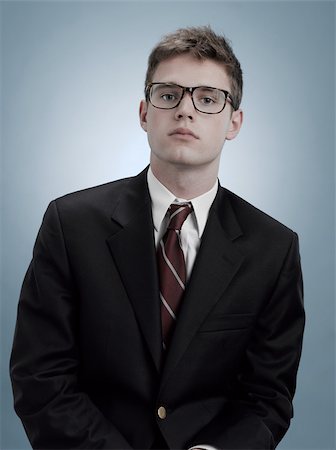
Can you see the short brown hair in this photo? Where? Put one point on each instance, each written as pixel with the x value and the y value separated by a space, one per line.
pixel 202 43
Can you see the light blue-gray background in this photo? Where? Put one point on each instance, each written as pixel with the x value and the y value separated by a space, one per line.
pixel 72 78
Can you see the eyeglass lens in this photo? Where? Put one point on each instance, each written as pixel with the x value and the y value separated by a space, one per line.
pixel 208 100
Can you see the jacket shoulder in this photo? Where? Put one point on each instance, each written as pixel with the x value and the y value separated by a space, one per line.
pixel 253 220
pixel 104 197
pixel 93 194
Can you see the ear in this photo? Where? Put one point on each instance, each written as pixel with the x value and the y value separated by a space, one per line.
pixel 143 114
pixel 236 122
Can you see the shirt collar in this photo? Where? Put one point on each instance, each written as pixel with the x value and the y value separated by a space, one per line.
pixel 162 198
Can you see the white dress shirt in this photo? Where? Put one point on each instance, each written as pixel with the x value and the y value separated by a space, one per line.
pixel 191 231
pixel 193 227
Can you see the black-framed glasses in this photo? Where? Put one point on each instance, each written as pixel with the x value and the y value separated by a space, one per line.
pixel 206 99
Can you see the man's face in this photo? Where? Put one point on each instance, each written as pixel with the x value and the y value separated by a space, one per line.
pixel 168 129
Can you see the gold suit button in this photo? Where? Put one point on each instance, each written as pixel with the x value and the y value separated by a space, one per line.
pixel 162 413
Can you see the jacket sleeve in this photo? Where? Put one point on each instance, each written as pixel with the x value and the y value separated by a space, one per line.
pixel 259 418
pixel 55 413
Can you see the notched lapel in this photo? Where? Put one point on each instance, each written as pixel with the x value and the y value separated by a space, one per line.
pixel 217 262
pixel 133 250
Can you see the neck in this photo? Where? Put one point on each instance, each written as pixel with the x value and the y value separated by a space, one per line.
pixel 185 182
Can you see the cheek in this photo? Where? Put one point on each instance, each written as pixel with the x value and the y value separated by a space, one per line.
pixel 214 130
pixel 156 127
pixel 220 131
pixel 153 122
pixel 155 134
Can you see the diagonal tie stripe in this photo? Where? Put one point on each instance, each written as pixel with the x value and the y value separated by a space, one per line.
pixel 171 267
pixel 174 221
pixel 168 308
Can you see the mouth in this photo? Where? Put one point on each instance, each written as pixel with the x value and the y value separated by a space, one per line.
pixel 183 133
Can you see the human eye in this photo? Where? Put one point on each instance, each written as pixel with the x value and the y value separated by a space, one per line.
pixel 207 100
pixel 168 97
pixel 165 95
pixel 169 94
pixel 207 96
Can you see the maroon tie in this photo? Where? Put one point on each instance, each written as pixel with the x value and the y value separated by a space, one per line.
pixel 172 270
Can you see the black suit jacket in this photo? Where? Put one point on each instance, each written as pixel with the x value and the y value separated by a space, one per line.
pixel 86 365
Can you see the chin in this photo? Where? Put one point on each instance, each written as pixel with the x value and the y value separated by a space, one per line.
pixel 185 155
pixel 186 163
pixel 182 156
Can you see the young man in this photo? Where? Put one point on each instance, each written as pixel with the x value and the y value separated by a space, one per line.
pixel 163 311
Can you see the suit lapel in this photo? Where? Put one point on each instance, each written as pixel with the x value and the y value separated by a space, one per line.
pixel 133 250
pixel 216 264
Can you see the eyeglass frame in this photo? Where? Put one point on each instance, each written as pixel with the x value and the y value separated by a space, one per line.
pixel 228 96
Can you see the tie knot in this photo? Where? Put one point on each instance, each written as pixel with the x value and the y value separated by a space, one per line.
pixel 178 214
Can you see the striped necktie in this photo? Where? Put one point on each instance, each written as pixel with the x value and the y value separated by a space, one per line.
pixel 172 269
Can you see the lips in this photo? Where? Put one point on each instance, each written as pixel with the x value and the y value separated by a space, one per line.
pixel 183 132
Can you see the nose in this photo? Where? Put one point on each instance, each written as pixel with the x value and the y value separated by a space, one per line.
pixel 185 108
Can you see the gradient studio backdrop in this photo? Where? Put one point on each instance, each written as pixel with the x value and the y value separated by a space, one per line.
pixel 72 79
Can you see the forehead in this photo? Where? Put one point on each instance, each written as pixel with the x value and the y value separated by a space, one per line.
pixel 190 71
